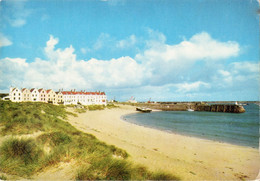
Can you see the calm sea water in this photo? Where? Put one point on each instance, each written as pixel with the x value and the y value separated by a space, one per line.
pixel 240 129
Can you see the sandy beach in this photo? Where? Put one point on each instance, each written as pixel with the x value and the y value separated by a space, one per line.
pixel 186 157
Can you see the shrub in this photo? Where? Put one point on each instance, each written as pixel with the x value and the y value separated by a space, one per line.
pixel 2 177
pixel 96 107
pixel 55 138
pixel 20 156
pixel 160 175
pixel 106 169
pixel 110 106
pixel 118 152
pixel 25 150
pixel 80 110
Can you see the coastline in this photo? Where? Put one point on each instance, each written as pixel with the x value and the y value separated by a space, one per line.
pixel 190 158
pixel 184 134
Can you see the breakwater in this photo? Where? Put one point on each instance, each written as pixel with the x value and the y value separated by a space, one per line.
pixel 196 106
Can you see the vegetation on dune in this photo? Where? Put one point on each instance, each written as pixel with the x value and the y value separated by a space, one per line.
pixel 57 141
pixel 95 107
pixel 20 156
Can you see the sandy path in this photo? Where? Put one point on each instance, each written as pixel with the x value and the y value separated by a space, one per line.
pixel 187 157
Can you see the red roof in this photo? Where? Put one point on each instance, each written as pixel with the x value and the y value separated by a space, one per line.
pixel 82 93
pixel 41 90
pixel 48 91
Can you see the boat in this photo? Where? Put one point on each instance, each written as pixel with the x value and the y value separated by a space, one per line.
pixel 190 110
pixel 143 109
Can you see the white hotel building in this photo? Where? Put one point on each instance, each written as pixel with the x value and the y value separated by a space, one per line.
pixel 61 97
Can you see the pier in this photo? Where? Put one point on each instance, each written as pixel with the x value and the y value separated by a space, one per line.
pixel 196 106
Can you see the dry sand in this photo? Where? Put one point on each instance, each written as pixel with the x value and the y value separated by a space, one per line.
pixel 187 157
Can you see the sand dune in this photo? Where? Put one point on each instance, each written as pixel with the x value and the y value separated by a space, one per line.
pixel 187 157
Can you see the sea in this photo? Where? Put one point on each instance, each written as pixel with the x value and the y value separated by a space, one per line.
pixel 235 128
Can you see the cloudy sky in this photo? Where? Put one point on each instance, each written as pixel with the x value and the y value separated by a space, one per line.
pixel 166 50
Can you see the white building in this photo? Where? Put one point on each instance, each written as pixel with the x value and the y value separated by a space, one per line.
pixel 26 94
pixel 42 95
pixel 84 98
pixel 15 95
pixel 35 95
pixel 52 96
pixel 61 97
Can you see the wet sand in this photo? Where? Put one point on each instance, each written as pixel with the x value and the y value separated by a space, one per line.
pixel 187 157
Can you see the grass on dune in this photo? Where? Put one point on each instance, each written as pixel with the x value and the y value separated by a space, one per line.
pixel 26 156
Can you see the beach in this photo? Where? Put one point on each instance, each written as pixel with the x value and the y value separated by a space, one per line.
pixel 187 157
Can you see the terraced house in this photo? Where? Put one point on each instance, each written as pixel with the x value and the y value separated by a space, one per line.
pixel 61 97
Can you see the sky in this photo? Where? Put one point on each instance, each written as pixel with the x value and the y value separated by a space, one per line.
pixel 160 50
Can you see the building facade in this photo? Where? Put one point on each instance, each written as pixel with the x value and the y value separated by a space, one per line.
pixel 26 95
pixel 42 95
pixel 61 97
pixel 84 98
pixel 35 95
pixel 15 95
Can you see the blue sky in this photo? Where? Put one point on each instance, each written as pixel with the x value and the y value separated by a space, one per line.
pixel 166 50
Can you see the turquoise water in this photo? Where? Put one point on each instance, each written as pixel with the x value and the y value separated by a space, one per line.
pixel 240 129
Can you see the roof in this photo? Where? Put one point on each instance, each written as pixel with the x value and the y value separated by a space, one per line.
pixel 32 89
pixel 82 93
pixel 41 90
pixel 48 90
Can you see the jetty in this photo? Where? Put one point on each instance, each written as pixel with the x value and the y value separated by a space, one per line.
pixel 196 106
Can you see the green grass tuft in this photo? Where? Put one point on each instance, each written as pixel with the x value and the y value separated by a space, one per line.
pixel 2 177
pixel 96 107
pixel 20 156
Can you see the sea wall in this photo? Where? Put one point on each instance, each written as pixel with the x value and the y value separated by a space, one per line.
pixel 196 106
pixel 221 108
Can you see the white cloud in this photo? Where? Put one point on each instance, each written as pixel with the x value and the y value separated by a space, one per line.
pixel 226 77
pixel 126 43
pixel 102 40
pixel 62 70
pixel 170 70
pixel 245 67
pixel 84 50
pixel 12 72
pixel 4 41
pixel 17 22
pixel 238 74
pixel 17 12
pixel 173 62
pixel 191 87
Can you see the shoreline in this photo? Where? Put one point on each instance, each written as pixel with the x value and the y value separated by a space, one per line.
pixel 188 157
pixel 185 134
